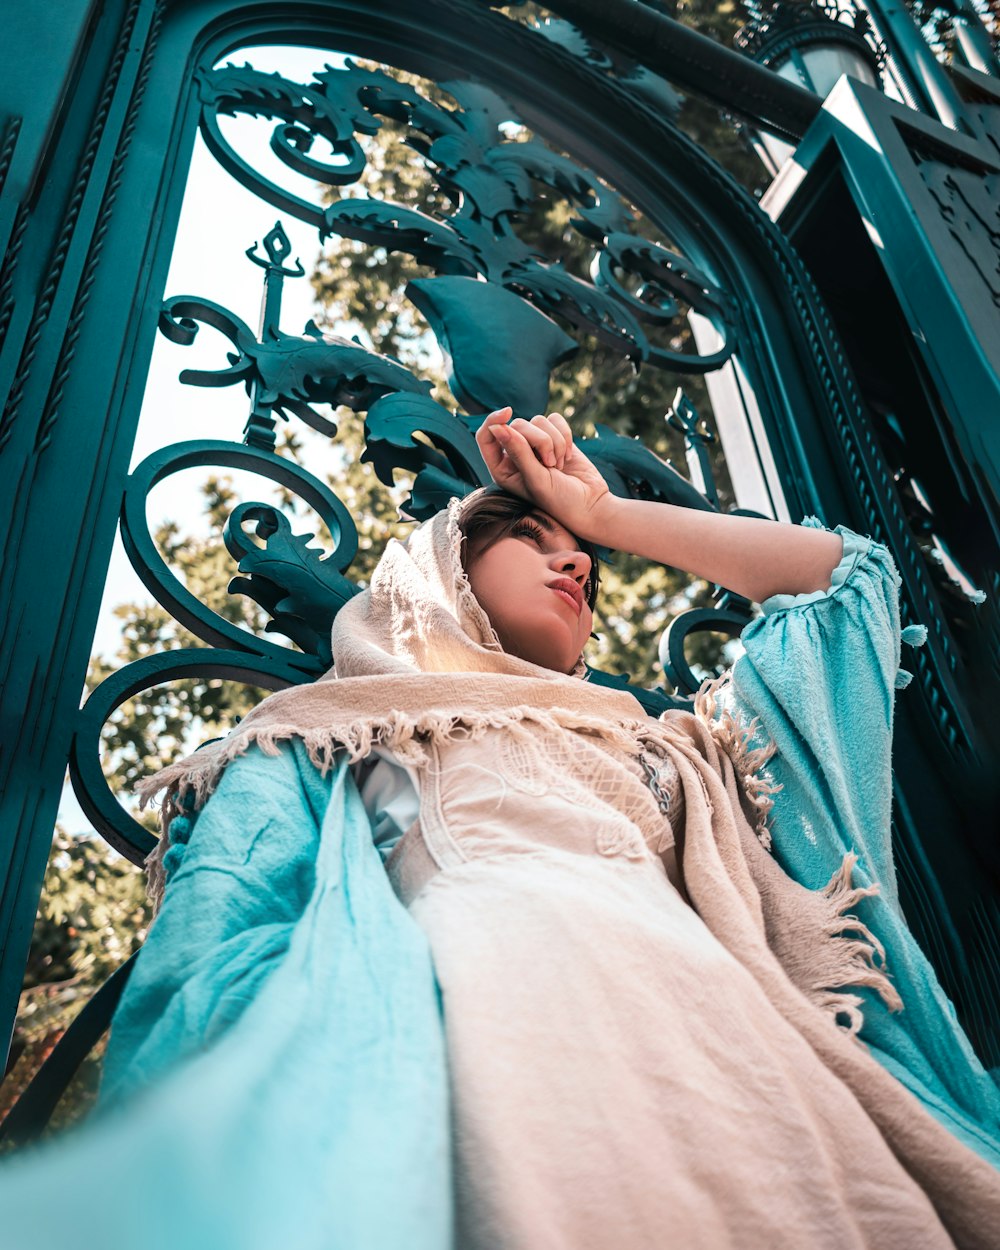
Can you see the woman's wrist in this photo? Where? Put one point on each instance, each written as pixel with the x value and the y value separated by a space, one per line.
pixel 624 525
pixel 605 522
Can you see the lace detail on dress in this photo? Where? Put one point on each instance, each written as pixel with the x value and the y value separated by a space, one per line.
pixel 589 773
pixel 523 766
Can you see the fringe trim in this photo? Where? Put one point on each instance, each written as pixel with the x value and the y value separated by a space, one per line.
pixel 188 784
pixel 851 955
pixel 156 877
pixel 733 738
pixel 850 961
pixel 843 962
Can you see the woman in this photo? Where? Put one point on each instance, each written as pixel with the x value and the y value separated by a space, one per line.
pixel 651 1029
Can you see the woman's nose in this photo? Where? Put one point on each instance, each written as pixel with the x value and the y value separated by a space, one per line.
pixel 575 564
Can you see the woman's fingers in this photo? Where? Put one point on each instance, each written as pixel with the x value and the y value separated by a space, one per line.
pixel 499 417
pixel 490 449
pixel 505 446
pixel 562 425
pixel 551 427
pixel 521 453
pixel 538 436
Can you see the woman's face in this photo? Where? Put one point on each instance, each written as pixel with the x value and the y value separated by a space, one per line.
pixel 531 582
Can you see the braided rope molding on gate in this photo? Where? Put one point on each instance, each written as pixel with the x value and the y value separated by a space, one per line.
pixel 46 297
pixel 68 349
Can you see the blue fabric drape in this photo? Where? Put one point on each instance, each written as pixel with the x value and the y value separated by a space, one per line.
pixel 276 1071
pixel 821 671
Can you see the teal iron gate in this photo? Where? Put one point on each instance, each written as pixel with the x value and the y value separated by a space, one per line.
pixel 857 412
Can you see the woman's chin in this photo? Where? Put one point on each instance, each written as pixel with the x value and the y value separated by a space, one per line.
pixel 556 649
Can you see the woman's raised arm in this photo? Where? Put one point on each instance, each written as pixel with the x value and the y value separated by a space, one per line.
pixel 755 558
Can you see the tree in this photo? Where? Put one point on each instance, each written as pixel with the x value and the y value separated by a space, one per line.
pixel 92 915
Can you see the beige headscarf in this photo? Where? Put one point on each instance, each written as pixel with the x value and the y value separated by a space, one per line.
pixel 416 661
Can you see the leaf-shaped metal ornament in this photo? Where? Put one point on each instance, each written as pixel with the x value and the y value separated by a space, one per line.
pixel 451 464
pixel 289 372
pixel 301 589
pixel 601 210
pixel 662 276
pixel 306 112
pixel 525 344
pixel 584 306
pixel 325 369
pixel 400 229
pixel 631 470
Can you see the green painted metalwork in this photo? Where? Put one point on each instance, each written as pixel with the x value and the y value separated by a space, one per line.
pixel 877 423
pixel 689 60
pixel 893 214
pixel 924 81
pixel 975 46
pixel 778 29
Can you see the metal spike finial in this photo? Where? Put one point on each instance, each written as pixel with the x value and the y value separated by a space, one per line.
pixel 278 247
pixel 683 417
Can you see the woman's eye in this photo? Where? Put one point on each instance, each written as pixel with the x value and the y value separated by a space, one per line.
pixel 528 528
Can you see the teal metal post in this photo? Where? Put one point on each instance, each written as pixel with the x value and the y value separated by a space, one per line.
pixel 974 42
pixel 70 293
pixel 923 75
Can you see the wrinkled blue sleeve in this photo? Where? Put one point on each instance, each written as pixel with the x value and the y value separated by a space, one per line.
pixel 821 672
pixel 820 669
pixel 276 1070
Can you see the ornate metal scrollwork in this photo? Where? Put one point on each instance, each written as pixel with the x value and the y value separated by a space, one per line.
pixel 305 112
pixel 452 465
pixel 300 589
pixel 486 275
pixel 301 600
pixel 186 607
pixel 729 616
pixel 775 27
pixel 285 372
pixel 93 793
pixel 664 276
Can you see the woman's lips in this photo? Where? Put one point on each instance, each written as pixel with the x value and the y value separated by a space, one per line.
pixel 574 602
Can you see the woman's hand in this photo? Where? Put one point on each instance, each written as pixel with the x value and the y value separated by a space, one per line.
pixel 538 460
pixel 756 558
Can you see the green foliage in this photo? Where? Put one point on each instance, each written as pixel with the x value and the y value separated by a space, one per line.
pixel 93 914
